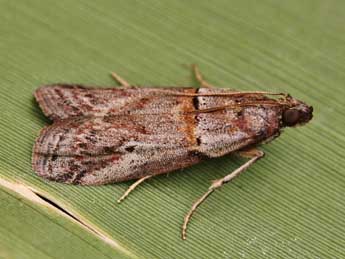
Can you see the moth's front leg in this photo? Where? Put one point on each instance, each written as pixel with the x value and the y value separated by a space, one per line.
pixel 254 154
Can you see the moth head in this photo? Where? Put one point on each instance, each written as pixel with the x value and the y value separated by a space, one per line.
pixel 298 113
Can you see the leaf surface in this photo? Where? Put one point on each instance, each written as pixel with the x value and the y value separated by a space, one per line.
pixel 288 205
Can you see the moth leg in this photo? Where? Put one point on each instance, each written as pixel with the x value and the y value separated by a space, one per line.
pixel 132 187
pixel 253 154
pixel 200 78
pixel 120 80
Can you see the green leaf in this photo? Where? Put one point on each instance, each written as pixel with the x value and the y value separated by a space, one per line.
pixel 288 205
pixel 31 231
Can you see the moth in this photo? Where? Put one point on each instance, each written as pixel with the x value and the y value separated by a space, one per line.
pixel 109 135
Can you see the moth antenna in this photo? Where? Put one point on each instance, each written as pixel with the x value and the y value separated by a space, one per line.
pixel 228 94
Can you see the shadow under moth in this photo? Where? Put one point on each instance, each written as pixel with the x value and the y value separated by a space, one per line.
pixel 109 135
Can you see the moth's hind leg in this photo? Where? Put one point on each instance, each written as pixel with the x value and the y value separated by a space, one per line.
pixel 132 187
pixel 120 80
pixel 200 78
pixel 253 154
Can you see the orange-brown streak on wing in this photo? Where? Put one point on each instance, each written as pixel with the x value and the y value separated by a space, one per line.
pixel 190 121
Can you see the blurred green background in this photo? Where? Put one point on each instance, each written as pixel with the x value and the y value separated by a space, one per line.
pixel 288 205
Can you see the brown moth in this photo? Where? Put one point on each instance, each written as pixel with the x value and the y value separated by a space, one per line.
pixel 109 135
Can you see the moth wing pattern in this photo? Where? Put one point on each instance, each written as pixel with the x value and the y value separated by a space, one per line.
pixel 100 150
pixel 63 101
pixel 130 133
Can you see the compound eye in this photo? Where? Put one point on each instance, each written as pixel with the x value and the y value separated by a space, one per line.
pixel 291 117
